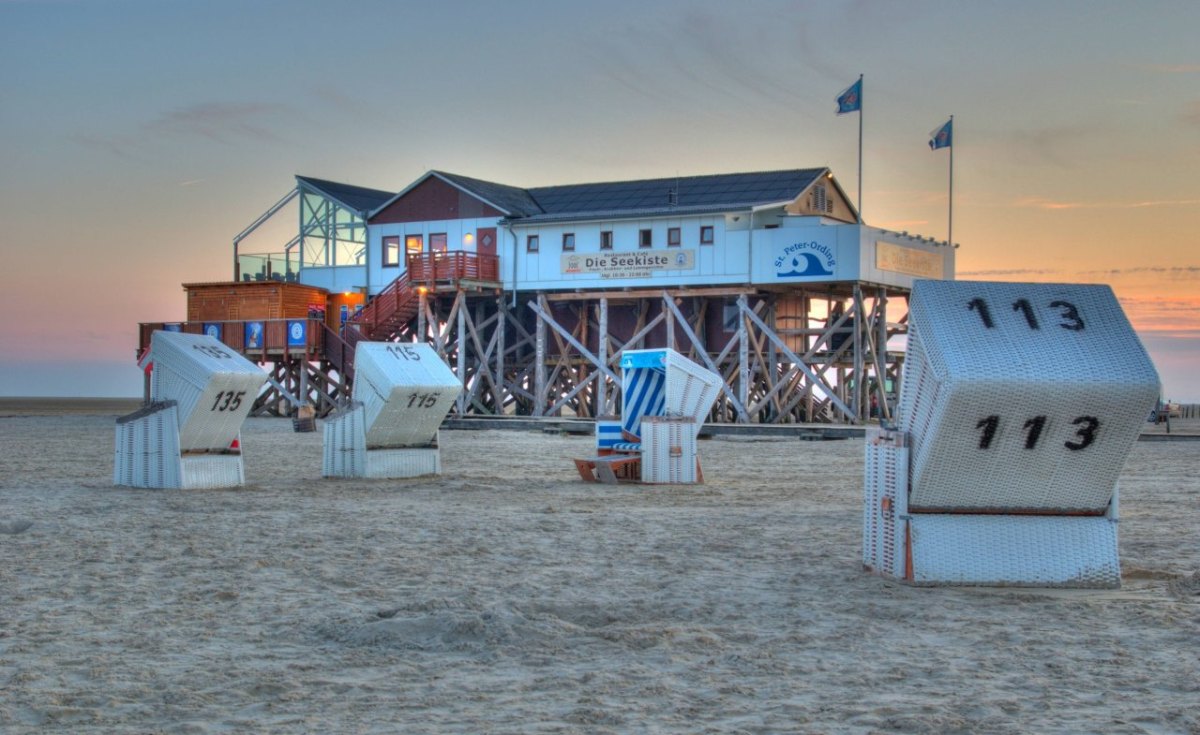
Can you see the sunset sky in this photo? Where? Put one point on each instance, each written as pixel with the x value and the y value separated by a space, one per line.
pixel 139 137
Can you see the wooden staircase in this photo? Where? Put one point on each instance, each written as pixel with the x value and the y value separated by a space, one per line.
pixel 384 317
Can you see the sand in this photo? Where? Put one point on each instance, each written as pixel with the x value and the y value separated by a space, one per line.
pixel 508 597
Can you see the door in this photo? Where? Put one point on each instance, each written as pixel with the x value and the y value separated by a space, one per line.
pixel 485 241
pixel 485 246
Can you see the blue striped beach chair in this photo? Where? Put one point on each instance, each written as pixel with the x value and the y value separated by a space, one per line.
pixel 655 383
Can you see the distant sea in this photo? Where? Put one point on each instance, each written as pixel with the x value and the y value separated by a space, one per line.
pixel 53 406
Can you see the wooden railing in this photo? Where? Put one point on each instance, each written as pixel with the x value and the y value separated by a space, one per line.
pixel 453 266
pixel 258 339
pixel 399 301
pixel 338 351
pixel 396 302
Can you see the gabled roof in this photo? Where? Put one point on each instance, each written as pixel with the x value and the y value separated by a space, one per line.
pixel 511 200
pixel 640 198
pixel 358 198
pixel 688 193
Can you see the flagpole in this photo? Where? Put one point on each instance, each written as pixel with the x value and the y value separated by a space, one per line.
pixel 860 139
pixel 950 224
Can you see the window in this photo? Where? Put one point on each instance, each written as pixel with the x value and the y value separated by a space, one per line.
pixel 568 241
pixel 606 239
pixel 645 239
pixel 730 316
pixel 437 242
pixel 391 251
pixel 706 235
pixel 414 244
pixel 673 237
pixel 531 244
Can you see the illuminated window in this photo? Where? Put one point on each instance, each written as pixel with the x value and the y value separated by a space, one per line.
pixel 673 237
pixel 568 242
pixel 391 251
pixel 606 239
pixel 645 238
pixel 414 244
pixel 531 244
pixel 706 235
pixel 437 242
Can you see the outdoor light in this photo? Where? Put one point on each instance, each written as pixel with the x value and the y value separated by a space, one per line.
pixel 468 238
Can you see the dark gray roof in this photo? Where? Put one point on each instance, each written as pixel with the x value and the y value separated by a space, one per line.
pixel 642 198
pixel 358 198
pixel 691 194
pixel 513 201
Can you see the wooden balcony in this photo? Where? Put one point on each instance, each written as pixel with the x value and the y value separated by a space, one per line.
pixel 450 268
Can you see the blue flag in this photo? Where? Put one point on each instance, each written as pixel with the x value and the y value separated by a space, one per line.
pixel 942 137
pixel 850 100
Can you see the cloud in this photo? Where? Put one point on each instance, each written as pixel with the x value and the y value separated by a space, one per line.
pixel 123 147
pixel 1168 317
pixel 219 121
pixel 222 122
pixel 1179 272
pixel 1014 272
pixel 1050 145
pixel 1050 205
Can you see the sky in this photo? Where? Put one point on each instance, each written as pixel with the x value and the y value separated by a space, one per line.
pixel 140 136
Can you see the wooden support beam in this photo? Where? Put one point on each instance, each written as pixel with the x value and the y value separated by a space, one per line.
pixel 750 315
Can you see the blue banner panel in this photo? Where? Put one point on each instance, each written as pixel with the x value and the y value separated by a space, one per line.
pixel 297 333
pixel 254 335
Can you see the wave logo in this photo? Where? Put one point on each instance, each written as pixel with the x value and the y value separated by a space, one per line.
pixel 805 259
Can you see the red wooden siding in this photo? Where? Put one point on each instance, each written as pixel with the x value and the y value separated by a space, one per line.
pixel 434 199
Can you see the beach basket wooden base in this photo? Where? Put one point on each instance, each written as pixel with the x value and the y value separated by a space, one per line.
pixel 610 468
pixel 981 549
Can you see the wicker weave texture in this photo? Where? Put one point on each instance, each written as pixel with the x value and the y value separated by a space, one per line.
pixel 406 391
pixel 1020 396
pixel 668 451
pixel 147 449
pixel 1043 551
pixel 211 471
pixel 214 387
pixel 884 511
pixel 345 443
pixel 395 463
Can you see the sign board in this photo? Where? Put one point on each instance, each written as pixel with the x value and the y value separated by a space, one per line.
pixel 899 259
pixel 297 333
pixel 254 335
pixel 806 259
pixel 638 264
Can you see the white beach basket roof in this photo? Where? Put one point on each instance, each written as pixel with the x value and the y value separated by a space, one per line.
pixel 1020 396
pixel 213 387
pixel 406 391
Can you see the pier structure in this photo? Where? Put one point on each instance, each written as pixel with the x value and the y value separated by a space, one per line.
pixel 531 295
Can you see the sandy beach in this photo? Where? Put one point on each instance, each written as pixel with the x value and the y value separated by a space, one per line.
pixel 505 596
